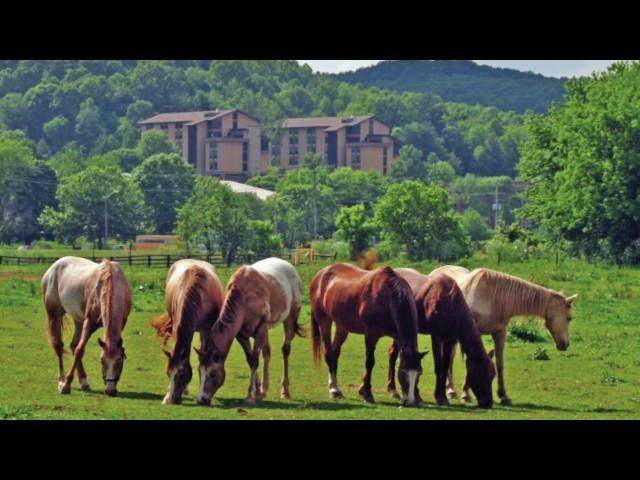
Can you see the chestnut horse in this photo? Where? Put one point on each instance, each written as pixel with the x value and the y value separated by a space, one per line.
pixel 494 298
pixel 374 303
pixel 444 314
pixel 94 295
pixel 259 297
pixel 194 297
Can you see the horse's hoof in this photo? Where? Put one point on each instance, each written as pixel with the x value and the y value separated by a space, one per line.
pixel 506 401
pixel 85 387
pixel 451 395
pixel 64 388
pixel 466 398
pixel 250 401
pixel 336 394
pixel 442 402
pixel 285 395
pixel 395 394
pixel 367 397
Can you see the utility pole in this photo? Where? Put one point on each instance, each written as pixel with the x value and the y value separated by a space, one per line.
pixel 496 208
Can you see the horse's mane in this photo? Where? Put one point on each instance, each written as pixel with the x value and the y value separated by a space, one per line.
pixel 112 332
pixel 402 308
pixel 229 310
pixel 185 305
pixel 511 294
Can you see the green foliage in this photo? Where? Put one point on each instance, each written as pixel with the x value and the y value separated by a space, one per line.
pixel 263 239
pixel 581 166
pixel 525 331
pixel 154 141
pixel 419 218
pixel 409 165
pixel 81 205
pixel 540 354
pixel 441 173
pixel 166 181
pixel 475 225
pixel 355 228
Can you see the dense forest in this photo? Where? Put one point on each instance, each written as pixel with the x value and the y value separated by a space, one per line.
pixel 95 106
pixel 463 81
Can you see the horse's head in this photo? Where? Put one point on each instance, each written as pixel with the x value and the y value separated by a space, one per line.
pixel 480 375
pixel 410 371
pixel 212 374
pixel 112 360
pixel 179 372
pixel 557 319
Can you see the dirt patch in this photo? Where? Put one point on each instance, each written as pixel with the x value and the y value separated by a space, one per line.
pixel 20 276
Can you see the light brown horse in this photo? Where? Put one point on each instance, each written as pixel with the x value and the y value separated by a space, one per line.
pixel 374 303
pixel 94 295
pixel 193 297
pixel 259 297
pixel 494 298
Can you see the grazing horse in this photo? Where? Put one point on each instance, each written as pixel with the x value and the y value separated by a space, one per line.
pixel 194 297
pixel 444 314
pixel 494 298
pixel 94 295
pixel 259 297
pixel 374 303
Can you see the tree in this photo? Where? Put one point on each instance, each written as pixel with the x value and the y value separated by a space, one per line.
pixel 154 141
pixel 441 173
pixel 81 206
pixel 419 218
pixel 216 216
pixel 88 122
pixel 354 228
pixel 263 239
pixel 352 187
pixel 581 166
pixel 475 225
pixel 57 131
pixel 408 165
pixel 166 181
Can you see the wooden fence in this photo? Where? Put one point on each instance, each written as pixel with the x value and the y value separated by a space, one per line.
pixel 153 260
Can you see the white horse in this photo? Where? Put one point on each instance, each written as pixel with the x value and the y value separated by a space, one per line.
pixel 494 298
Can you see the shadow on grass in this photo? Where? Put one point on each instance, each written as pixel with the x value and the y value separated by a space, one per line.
pixel 231 403
pixel 523 407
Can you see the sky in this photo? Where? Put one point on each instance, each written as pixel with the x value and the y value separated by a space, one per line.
pixel 549 68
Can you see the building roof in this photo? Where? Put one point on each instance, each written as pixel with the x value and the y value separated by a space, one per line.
pixel 329 123
pixel 189 118
pixel 238 187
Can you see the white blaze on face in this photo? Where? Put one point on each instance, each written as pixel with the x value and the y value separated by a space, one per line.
pixel 167 398
pixel 411 397
pixel 203 373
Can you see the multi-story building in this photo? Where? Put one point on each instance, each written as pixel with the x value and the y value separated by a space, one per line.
pixel 358 142
pixel 224 143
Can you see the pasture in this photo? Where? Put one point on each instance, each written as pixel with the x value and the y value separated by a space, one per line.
pixel 598 377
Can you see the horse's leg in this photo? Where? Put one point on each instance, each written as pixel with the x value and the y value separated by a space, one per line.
pixel 440 368
pixel 451 386
pixel 498 342
pixel 391 375
pixel 245 343
pixel 324 325
pixel 82 374
pixel 336 347
pixel 54 319
pixel 266 357
pixel 254 361
pixel 370 341
pixel 77 355
pixel 289 333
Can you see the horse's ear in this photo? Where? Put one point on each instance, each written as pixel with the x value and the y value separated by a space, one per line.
pixel 167 353
pixel 492 354
pixel 101 343
pixel 571 298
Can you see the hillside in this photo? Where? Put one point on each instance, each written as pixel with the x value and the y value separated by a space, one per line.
pixel 463 81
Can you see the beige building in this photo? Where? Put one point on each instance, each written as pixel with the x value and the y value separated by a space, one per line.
pixel 223 143
pixel 358 142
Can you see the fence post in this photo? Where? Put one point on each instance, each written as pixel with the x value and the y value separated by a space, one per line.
pixel 0 259
pixel 168 260
pixel 129 258
pixel 208 257
pixel 148 260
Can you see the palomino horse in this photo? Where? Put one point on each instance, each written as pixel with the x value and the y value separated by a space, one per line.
pixel 259 297
pixel 94 295
pixel 194 297
pixel 444 314
pixel 374 303
pixel 494 298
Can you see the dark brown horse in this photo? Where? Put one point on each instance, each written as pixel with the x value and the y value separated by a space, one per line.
pixel 193 296
pixel 374 303
pixel 93 295
pixel 443 313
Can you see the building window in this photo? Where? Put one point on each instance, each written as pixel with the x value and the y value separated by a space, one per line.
pixel 214 128
pixel 164 127
pixel 293 136
pixel 245 157
pixel 311 140
pixel 384 161
pixel 235 120
pixel 355 158
pixel 293 159
pixel 213 157
pixel 353 134
pixel 150 127
pixel 371 126
pixel 275 153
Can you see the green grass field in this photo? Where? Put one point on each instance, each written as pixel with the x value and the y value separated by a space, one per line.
pixel 598 377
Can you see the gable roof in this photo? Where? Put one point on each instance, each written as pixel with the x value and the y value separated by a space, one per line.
pixel 190 118
pixel 328 123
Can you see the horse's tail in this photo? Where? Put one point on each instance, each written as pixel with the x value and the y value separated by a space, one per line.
pixel 369 260
pixel 163 327
pixel 299 329
pixel 316 346
pixel 53 311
